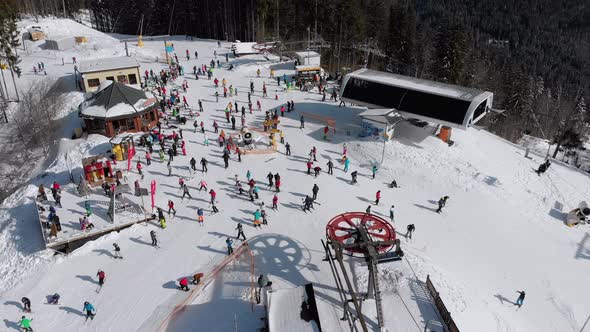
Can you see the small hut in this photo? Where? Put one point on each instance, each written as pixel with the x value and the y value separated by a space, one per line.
pixel 117 108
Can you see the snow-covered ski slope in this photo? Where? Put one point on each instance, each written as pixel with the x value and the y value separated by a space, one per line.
pixel 498 233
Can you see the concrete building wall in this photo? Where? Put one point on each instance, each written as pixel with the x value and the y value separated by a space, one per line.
pixel 117 75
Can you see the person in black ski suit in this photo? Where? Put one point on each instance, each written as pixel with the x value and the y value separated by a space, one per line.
pixel 410 229
pixel 543 167
pixel 353 176
pixel 315 190
pixel 441 203
pixel 26 304
pixel 330 167
pixel 204 165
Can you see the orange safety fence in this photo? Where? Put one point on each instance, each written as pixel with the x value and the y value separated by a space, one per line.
pixel 209 277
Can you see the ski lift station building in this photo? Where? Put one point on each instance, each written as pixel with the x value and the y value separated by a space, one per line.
pixel 413 98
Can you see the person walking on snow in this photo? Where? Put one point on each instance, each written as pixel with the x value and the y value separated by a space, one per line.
pixel 101 276
pixel 90 311
pixel 374 169
pixel 213 194
pixel 203 165
pixel 520 298
pixel 302 122
pixel 228 243
pixel 193 163
pixel 353 176
pixel 153 237
pixel 275 200
pixel 441 203
pixel 200 216
pixel 270 178
pixel 330 167
pixel 185 192
pixel 117 251
pixel 309 165
pixel 171 207
pixel 169 168
pixel 346 164
pixel 25 324
pixel 240 230
pixel 257 217
pixel 391 213
pixel 377 197
pixel 409 230
pixel 315 190
pixel 287 149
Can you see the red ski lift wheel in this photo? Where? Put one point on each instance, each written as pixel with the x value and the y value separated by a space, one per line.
pixel 343 229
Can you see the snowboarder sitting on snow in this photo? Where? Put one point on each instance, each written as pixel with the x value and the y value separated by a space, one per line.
pixel 441 203
pixel 543 167
pixel 26 304
pixel 184 284
pixel 393 184
pixel 54 299
pixel 197 278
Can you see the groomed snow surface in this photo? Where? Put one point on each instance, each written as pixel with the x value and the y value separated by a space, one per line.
pixel 499 233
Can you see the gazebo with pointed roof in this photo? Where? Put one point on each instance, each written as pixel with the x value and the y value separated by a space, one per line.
pixel 116 108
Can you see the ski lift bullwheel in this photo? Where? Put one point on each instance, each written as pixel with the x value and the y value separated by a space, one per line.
pixel 343 229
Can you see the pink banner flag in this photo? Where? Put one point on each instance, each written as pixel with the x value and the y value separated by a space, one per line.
pixel 153 187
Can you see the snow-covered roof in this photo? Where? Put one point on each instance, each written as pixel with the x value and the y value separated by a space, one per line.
pixel 306 54
pixel 293 310
pixel 418 84
pixel 88 66
pixel 307 67
pixel 115 100
pixel 244 48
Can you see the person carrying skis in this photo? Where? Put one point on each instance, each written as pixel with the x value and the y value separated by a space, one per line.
pixel 240 230
pixel 441 203
pixel 117 251
pixel 25 324
pixel 377 197
pixel 26 304
pixel 315 190
pixel 374 170
pixel 409 230
pixel 204 165
pixel 330 167
pixel 90 311
pixel 229 242
pixel 353 176
pixel 183 284
pixel 171 207
pixel 520 298
pixel 153 237
pixel 275 200
pixel 392 213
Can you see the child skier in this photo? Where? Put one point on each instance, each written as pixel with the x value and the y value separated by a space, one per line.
pixel 25 324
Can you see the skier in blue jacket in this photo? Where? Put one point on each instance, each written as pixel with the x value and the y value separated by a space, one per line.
pixel 90 311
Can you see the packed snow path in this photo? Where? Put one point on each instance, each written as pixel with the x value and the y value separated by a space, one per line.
pixel 497 234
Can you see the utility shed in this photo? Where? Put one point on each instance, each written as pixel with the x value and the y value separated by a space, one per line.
pixel 308 58
pixel 435 102
pixel 124 70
